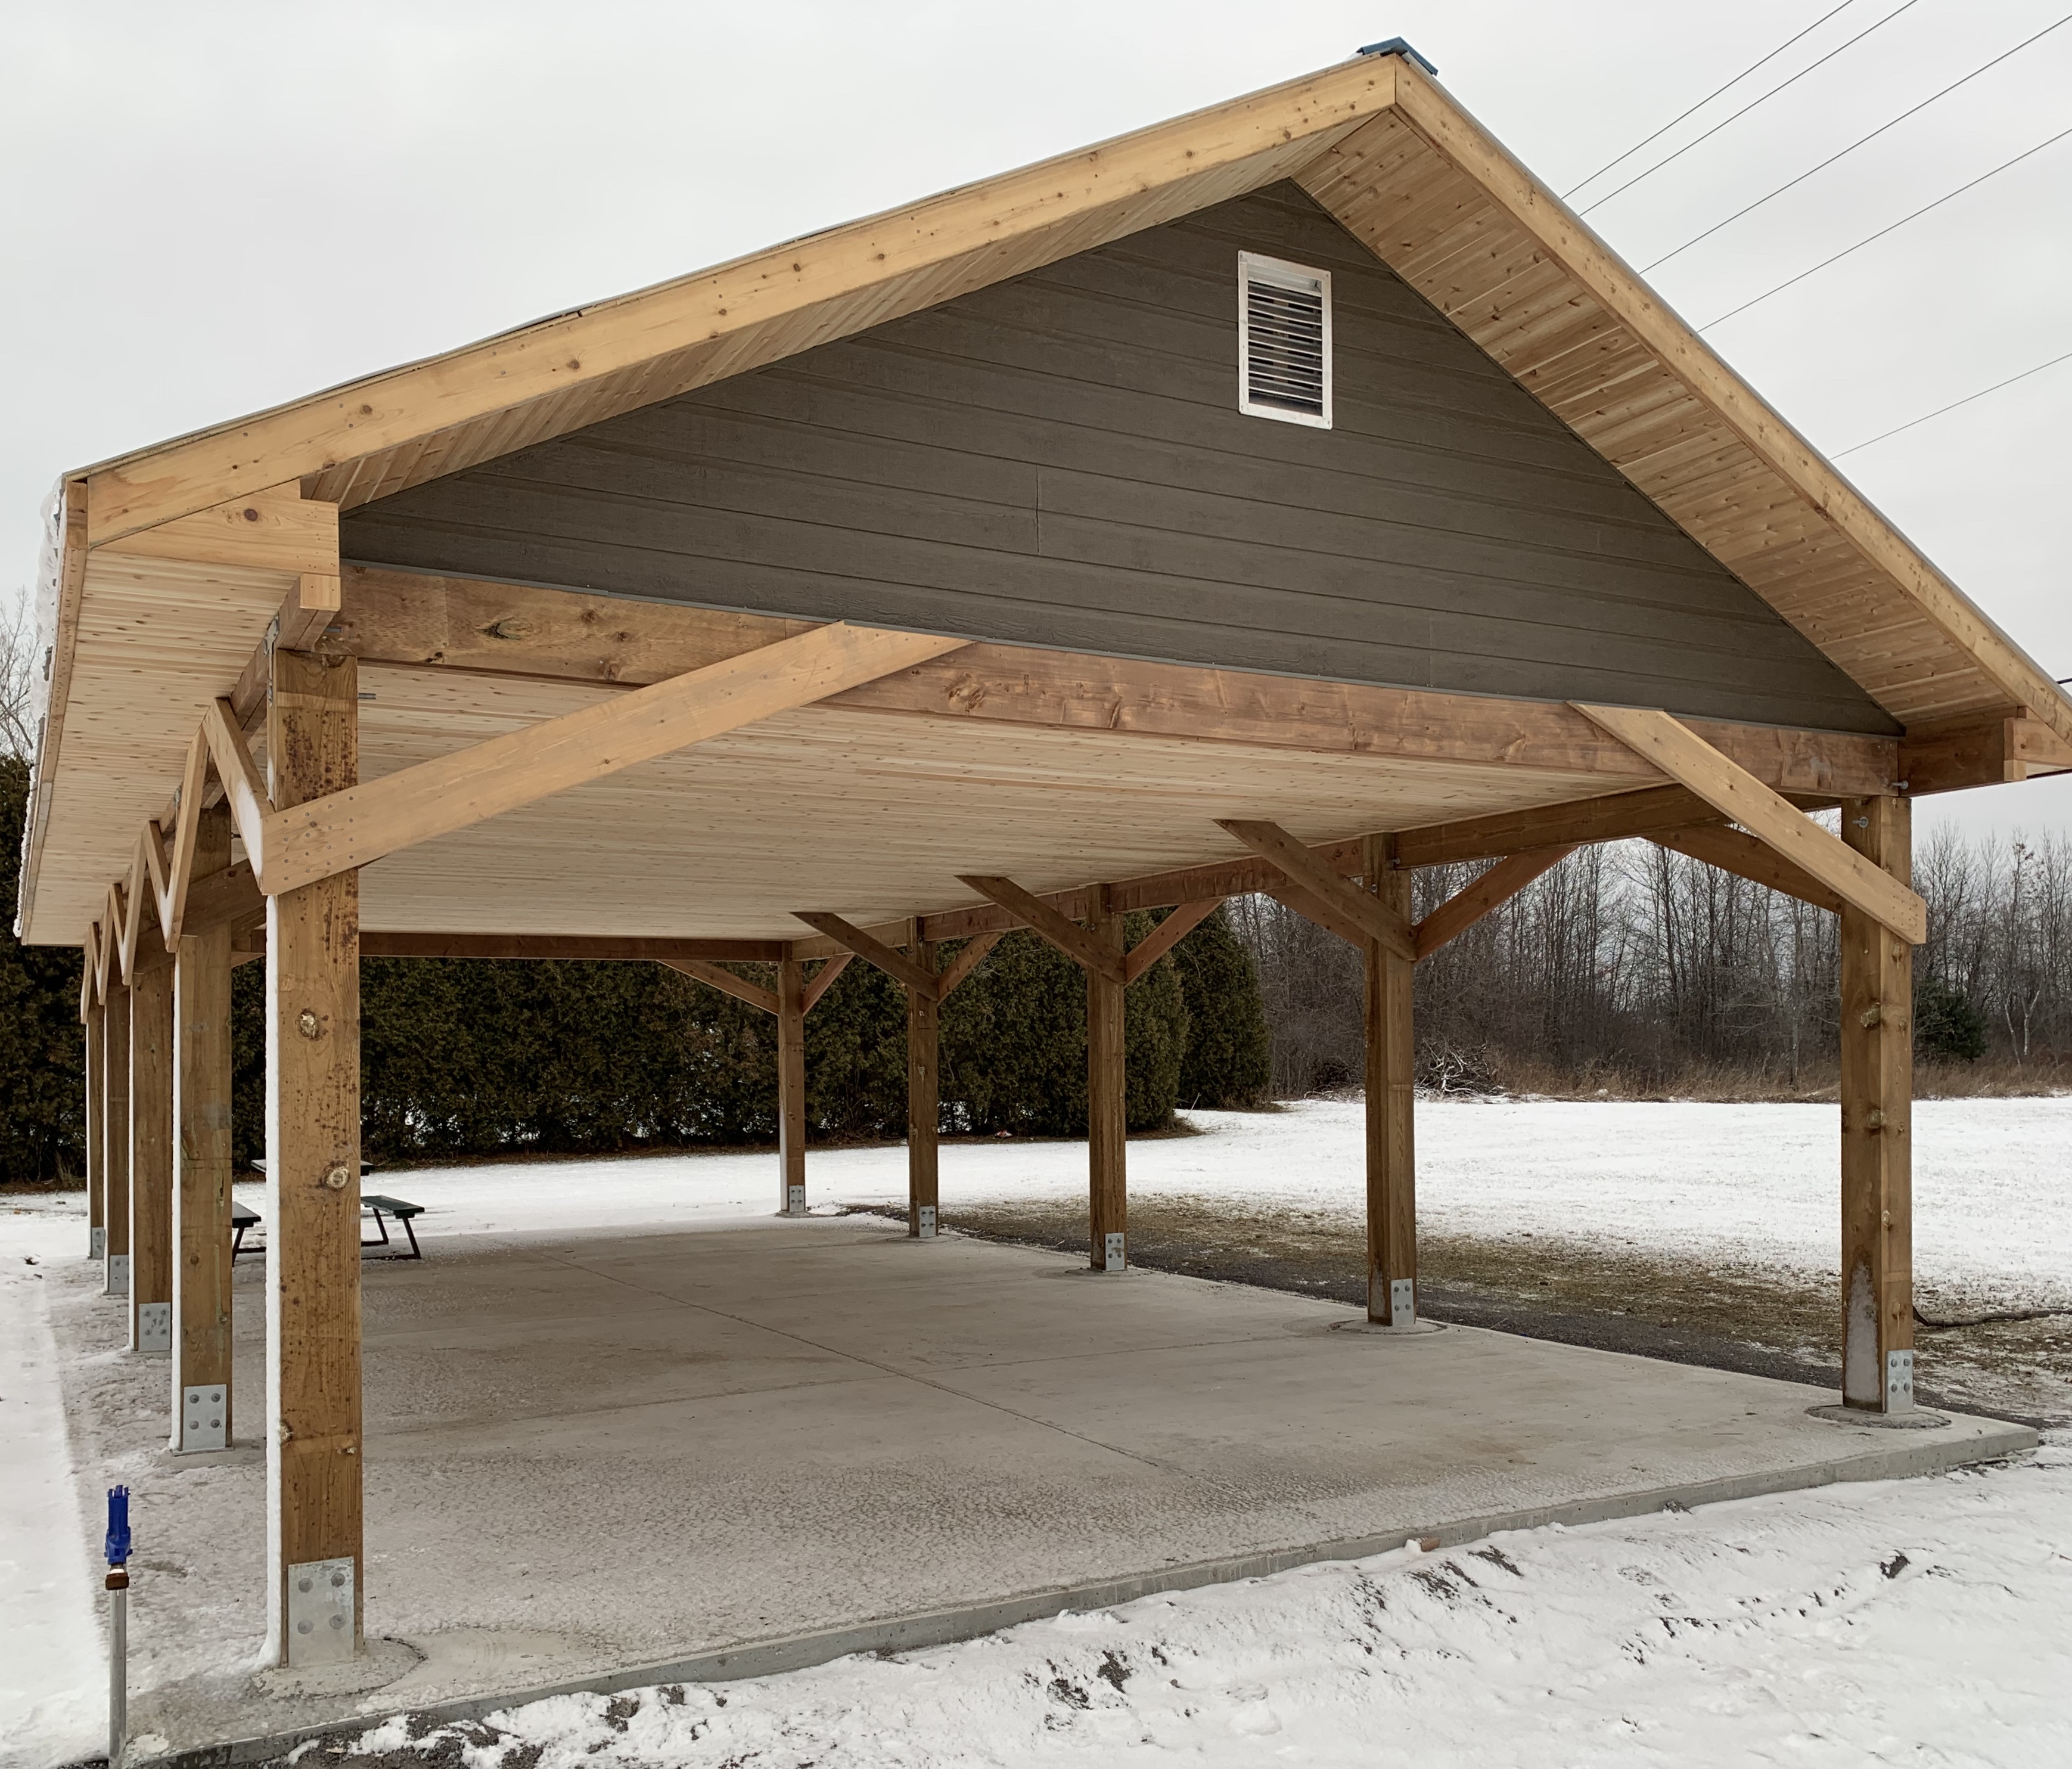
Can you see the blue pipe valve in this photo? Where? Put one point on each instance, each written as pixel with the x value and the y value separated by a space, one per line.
pixel 118 1526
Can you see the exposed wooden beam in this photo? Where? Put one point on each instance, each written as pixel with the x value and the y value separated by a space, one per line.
pixel 1168 934
pixel 1735 793
pixel 1324 914
pixel 243 784
pixel 968 961
pixel 893 963
pixel 1315 877
pixel 1614 818
pixel 1732 851
pixel 725 982
pixel 1068 935
pixel 440 623
pixel 275 529
pixel 382 816
pixel 587 948
pixel 1950 755
pixel 1466 907
pixel 823 978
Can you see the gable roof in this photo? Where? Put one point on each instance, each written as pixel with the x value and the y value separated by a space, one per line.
pixel 1383 148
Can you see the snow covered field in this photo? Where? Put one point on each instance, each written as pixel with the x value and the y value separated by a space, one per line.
pixel 1766 1630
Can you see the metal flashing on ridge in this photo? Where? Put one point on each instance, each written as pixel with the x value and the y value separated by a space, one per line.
pixel 1396 46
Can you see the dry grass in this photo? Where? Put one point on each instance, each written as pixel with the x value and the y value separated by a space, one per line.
pixel 1995 1078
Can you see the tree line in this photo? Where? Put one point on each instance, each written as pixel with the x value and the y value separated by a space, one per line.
pixel 1632 965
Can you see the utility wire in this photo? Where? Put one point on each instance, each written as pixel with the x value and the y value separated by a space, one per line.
pixel 1954 404
pixel 1859 141
pixel 1907 6
pixel 1882 231
pixel 1708 99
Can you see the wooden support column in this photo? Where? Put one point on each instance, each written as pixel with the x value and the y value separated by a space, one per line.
pixel 314 1551
pixel 1877 1124
pixel 201 1171
pixel 115 1134
pixel 1108 1190
pixel 1391 1189
pixel 97 1112
pixel 790 1088
pixel 151 1150
pixel 923 1093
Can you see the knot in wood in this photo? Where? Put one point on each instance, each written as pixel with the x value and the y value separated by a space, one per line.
pixel 307 1023
pixel 1874 1119
pixel 336 1177
pixel 514 627
pixel 1870 1015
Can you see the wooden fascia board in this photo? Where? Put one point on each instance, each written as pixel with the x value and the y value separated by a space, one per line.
pixel 1742 799
pixel 1619 290
pixel 1065 197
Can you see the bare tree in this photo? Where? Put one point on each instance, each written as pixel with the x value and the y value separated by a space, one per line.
pixel 18 644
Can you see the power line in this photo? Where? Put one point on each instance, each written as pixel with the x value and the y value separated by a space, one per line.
pixel 1882 231
pixel 1882 127
pixel 1954 404
pixel 1708 99
pixel 1907 6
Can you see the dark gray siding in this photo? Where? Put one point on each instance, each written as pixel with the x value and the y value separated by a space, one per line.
pixel 1059 461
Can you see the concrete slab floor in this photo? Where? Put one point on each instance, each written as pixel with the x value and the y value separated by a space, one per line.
pixel 587 1457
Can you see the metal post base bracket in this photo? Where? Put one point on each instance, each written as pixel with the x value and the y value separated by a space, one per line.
pixel 1112 1256
pixel 97 1243
pixel 320 1613
pixel 1899 1382
pixel 794 1201
pixel 204 1419
pixel 155 1327
pixel 1394 1305
pixel 924 1222
pixel 118 1275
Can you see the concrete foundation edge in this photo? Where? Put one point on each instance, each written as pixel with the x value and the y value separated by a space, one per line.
pixel 941 1627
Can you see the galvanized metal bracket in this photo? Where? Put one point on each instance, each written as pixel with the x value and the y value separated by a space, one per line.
pixel 924 1222
pixel 794 1201
pixel 320 1613
pixel 117 1282
pixel 1899 1382
pixel 204 1418
pixel 1113 1256
pixel 97 1243
pixel 155 1327
pixel 1402 1301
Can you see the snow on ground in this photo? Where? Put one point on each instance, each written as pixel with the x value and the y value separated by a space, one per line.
pixel 1917 1621
pixel 1742 1183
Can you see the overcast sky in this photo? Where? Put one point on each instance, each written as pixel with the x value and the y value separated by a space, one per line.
pixel 207 209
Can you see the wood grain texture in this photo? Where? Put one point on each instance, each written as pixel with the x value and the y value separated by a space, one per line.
pixel 1495 887
pixel 1108 1181
pixel 150 1142
pixel 1736 794
pixel 889 959
pixel 1390 1064
pixel 1732 850
pixel 1878 1114
pixel 924 1085
pixel 1085 946
pixel 202 1230
pixel 576 947
pixel 1315 878
pixel 115 1115
pixel 314 1442
pixel 97 1108
pixel 1184 920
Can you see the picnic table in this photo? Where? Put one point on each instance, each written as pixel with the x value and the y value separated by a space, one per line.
pixel 380 1204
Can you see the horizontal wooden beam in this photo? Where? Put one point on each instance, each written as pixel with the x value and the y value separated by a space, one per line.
pixel 889 959
pixel 586 949
pixel 1731 850
pixel 1952 756
pixel 1317 879
pixel 1617 817
pixel 1738 796
pixel 364 823
pixel 444 623
pixel 1168 934
pixel 277 529
pixel 725 982
pixel 1066 935
pixel 1495 887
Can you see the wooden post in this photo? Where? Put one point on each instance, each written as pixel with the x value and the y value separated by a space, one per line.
pixel 115 1134
pixel 97 1112
pixel 923 1093
pixel 1107 1187
pixel 314 1587
pixel 151 1152
pixel 790 1088
pixel 201 1173
pixel 1391 1187
pixel 1877 1130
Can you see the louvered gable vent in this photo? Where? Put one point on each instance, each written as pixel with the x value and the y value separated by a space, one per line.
pixel 1283 341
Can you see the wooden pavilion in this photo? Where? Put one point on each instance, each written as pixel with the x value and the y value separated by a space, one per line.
pixel 1278 499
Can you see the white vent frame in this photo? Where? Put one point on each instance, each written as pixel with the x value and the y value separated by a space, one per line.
pixel 1253 268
